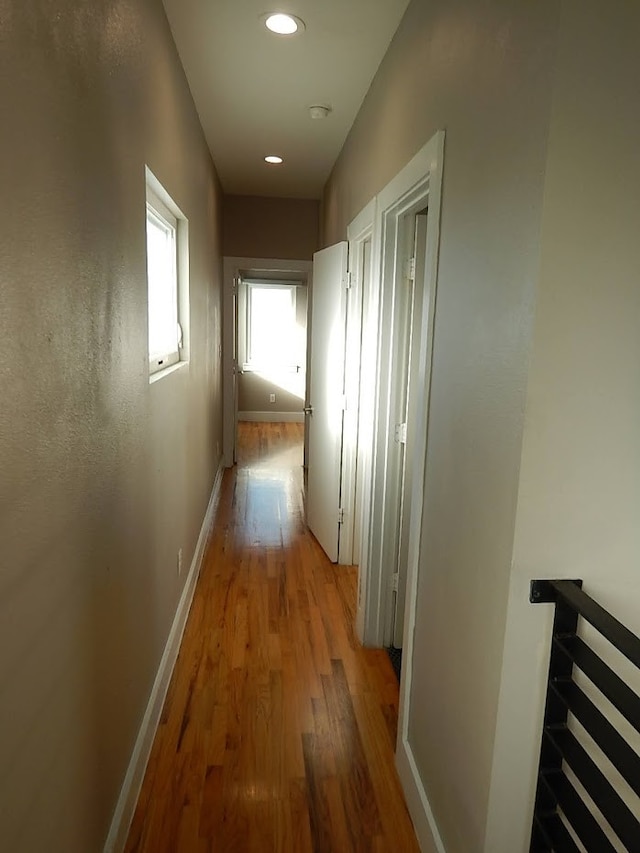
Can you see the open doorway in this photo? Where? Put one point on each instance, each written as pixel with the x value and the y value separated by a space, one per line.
pixel 264 363
pixel 406 334
pixel 405 257
pixel 406 238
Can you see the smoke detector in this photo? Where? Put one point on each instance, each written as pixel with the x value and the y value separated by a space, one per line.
pixel 318 111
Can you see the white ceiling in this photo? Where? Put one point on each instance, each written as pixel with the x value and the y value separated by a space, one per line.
pixel 252 88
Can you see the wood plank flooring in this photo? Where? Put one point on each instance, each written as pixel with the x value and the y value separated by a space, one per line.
pixel 278 730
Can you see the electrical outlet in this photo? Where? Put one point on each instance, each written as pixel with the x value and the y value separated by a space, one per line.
pixel 179 562
pixel 272 398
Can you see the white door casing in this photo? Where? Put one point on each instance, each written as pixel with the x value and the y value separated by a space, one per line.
pixel 411 404
pixel 424 172
pixel 415 187
pixel 326 395
pixel 358 393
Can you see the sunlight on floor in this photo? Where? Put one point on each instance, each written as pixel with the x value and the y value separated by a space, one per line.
pixel 269 478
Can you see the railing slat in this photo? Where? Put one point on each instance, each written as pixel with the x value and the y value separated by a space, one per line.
pixel 614 746
pixel 582 821
pixel 605 679
pixel 556 835
pixel 619 817
pixel 617 633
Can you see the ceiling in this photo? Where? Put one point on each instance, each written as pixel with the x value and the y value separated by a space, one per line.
pixel 252 88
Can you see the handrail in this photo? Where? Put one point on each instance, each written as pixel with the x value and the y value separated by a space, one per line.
pixel 617 633
pixel 562 815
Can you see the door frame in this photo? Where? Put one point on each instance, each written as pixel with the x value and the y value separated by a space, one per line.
pixel 405 363
pixel 417 185
pixel 358 411
pixel 251 268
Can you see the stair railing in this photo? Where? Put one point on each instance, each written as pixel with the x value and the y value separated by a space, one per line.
pixel 563 816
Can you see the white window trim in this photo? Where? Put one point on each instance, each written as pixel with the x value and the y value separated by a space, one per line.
pixel 160 204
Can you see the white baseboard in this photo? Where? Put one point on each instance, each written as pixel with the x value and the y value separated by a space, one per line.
pixel 272 417
pixel 134 776
pixel 418 804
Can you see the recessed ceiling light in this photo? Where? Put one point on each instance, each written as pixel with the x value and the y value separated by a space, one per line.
pixel 282 24
pixel 273 158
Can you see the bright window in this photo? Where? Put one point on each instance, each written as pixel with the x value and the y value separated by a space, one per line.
pixel 166 277
pixel 271 326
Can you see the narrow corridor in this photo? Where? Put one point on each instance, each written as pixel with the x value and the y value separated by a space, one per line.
pixel 278 731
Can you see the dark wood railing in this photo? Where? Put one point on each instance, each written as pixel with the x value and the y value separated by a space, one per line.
pixel 562 813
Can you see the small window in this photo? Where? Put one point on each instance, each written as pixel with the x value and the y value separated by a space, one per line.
pixel 167 275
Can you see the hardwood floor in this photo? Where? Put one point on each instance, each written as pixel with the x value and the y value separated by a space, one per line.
pixel 278 730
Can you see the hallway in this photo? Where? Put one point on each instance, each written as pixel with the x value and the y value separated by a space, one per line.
pixel 278 730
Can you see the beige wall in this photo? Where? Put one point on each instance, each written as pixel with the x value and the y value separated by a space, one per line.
pixel 579 491
pixel 580 484
pixel 284 228
pixel 253 395
pixel 482 72
pixel 103 476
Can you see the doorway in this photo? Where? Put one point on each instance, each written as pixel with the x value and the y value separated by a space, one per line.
pixel 405 251
pixel 406 337
pixel 408 213
pixel 273 272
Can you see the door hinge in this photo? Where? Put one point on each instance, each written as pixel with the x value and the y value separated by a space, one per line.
pixel 411 269
pixel 236 283
pixel 347 281
pixel 340 516
pixel 400 434
pixel 344 402
pixel 394 581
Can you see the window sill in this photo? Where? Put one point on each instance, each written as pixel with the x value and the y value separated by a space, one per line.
pixel 173 368
pixel 271 368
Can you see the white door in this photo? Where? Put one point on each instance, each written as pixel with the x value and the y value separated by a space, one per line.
pixel 326 394
pixel 359 449
pixel 353 464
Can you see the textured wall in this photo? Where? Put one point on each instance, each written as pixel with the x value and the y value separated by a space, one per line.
pixel 482 72
pixel 285 228
pixel 103 477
